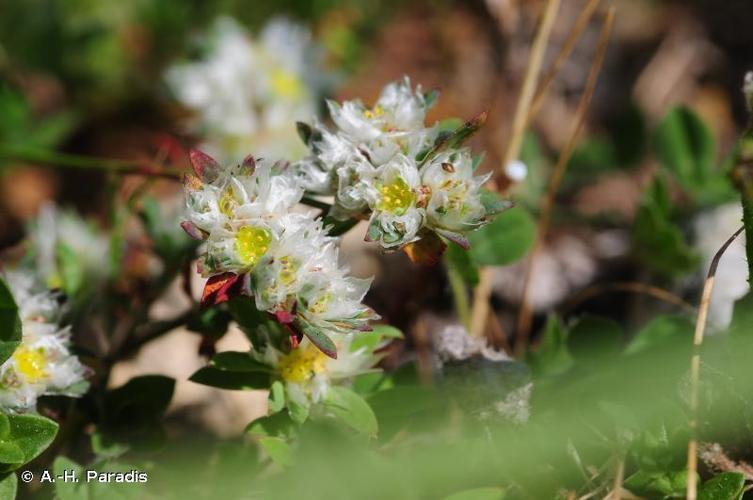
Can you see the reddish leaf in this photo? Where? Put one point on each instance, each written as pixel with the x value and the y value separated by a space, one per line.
pixel 284 317
pixel 317 337
pixel 192 231
pixel 249 163
pixel 219 288
pixel 456 238
pixel 204 165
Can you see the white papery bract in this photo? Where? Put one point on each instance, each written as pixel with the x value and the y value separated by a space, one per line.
pixel 308 374
pixel 245 216
pixel 248 92
pixel 42 364
pixel 384 163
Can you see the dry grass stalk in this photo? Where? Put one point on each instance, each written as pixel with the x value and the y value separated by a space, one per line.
pixel 525 314
pixel 627 286
pixel 480 310
pixel 564 53
pixel 695 365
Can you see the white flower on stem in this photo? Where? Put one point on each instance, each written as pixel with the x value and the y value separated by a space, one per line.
pixel 42 364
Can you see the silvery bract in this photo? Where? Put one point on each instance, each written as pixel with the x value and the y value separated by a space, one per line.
pixel 42 364
pixel 384 163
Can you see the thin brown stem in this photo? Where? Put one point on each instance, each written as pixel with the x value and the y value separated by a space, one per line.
pixel 627 286
pixel 564 53
pixel 695 366
pixel 525 314
pixel 481 293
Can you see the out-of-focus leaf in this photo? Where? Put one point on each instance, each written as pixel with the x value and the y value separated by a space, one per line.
pixel 594 340
pixel 428 250
pixel 231 380
pixel 69 490
pixel 724 486
pixel 352 409
pixel 658 484
pixel 276 399
pixel 235 361
pixel 657 240
pixel 141 399
pixel 551 357
pixel 9 485
pixel 278 450
pixel 10 323
pixel 276 425
pixel 505 240
pixel 660 331
pixel 478 494
pixel 211 322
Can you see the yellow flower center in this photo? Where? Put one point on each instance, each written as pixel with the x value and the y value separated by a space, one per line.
pixel 319 305
pixel 252 243
pixel 286 84
pixel 228 202
pixel 396 197
pixel 301 364
pixel 31 363
pixel 373 113
pixel 288 269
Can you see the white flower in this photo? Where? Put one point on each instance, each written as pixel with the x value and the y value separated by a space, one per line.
pixel 454 200
pixel 43 363
pixel 307 373
pixel 248 93
pixel 397 203
pixel 56 233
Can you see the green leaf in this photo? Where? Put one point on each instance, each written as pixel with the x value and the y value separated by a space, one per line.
pixel 455 138
pixel 460 260
pixel 10 453
pixel 235 361
pixel 551 357
pixel 278 450
pixel 10 323
pixel 505 240
pixel 276 425
pixel 317 337
pixel 724 486
pixel 231 380
pixel 478 494
pixel 298 412
pixel 276 399
pixel 212 322
pixel 658 484
pixel 66 490
pixel 250 320
pixel 661 331
pixel 657 240
pixel 387 331
pixel 142 399
pixel 594 339
pixel 352 409
pixel 9 486
pixel 371 340
pixel 31 434
pixel 686 147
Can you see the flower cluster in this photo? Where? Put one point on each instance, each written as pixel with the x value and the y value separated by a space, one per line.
pixel 256 245
pixel 384 163
pixel 247 93
pixel 42 364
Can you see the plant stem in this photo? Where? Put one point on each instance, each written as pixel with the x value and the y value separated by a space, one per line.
pixel 482 291
pixel 459 294
pixel 313 202
pixel 695 366
pixel 525 315
pixel 53 158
